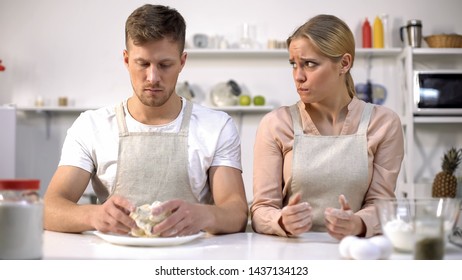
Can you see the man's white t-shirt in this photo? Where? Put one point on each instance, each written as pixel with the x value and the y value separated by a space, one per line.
pixel 92 143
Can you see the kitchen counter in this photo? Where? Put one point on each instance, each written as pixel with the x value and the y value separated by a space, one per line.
pixel 238 246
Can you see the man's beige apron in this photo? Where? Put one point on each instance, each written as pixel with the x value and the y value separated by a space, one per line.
pixel 324 167
pixel 153 165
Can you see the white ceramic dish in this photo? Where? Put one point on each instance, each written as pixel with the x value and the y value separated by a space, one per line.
pixel 147 242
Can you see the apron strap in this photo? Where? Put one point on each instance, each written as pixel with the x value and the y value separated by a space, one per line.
pixel 296 120
pixel 365 118
pixel 362 129
pixel 123 130
pixel 184 129
pixel 120 114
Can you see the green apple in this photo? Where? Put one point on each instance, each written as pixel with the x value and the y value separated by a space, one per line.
pixel 245 100
pixel 259 100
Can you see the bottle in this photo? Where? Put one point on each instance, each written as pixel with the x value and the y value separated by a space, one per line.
pixel 367 36
pixel 378 33
pixel 21 220
pixel 387 43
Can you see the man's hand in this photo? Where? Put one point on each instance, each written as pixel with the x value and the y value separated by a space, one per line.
pixel 186 218
pixel 112 216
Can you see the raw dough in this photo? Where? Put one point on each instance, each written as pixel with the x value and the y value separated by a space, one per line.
pixel 145 220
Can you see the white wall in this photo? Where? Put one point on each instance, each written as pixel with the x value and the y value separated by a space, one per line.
pixel 74 48
pixel 55 48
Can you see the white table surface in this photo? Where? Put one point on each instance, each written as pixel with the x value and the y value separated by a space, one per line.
pixel 238 246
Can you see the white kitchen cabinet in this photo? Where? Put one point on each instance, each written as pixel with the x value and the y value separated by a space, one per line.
pixel 427 137
pixel 7 142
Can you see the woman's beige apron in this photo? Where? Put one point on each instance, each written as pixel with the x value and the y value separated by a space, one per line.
pixel 324 167
pixel 153 165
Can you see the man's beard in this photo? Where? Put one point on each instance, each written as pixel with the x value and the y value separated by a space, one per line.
pixel 154 101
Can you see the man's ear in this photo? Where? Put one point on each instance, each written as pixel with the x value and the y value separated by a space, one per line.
pixel 125 54
pixel 183 58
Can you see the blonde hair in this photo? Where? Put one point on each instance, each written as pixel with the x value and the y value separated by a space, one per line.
pixel 332 37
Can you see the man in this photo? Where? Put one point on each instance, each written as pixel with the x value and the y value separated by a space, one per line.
pixel 154 146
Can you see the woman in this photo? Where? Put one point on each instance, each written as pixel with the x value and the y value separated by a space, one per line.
pixel 320 163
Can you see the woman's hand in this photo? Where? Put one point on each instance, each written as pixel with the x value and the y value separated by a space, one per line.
pixel 342 222
pixel 296 217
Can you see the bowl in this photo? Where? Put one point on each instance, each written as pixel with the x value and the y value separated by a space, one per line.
pixel 402 220
pixel 444 41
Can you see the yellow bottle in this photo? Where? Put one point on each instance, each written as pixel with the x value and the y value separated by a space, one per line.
pixel 378 33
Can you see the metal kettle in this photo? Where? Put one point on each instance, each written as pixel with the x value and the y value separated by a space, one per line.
pixel 225 94
pixel 414 33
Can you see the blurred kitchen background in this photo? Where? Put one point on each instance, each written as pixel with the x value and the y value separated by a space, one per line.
pixel 69 53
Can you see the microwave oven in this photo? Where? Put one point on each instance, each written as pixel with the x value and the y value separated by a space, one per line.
pixel 437 92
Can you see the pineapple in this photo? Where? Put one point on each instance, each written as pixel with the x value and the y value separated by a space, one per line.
pixel 445 183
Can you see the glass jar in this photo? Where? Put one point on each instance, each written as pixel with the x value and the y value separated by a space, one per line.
pixel 21 220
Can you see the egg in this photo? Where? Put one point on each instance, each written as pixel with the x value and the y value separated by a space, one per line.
pixel 384 244
pixel 344 246
pixel 363 249
pixel 374 248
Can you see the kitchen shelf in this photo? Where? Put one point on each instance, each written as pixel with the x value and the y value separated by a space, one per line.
pixel 438 119
pixel 437 51
pixel 50 109
pixel 412 59
pixel 388 52
pixel 244 109
pixel 229 109
pixel 213 53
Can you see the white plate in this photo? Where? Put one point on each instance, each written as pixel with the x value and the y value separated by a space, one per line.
pixel 142 241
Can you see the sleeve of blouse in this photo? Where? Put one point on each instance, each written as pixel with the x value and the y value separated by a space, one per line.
pixel 386 144
pixel 267 179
